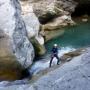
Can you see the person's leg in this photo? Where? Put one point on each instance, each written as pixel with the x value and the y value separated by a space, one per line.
pixel 51 61
pixel 58 59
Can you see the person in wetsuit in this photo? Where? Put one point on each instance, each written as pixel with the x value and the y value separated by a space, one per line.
pixel 54 53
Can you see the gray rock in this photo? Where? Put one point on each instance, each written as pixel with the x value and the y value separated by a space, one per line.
pixel 32 27
pixel 73 75
pixel 14 44
pixel 46 10
pixel 53 14
pixel 50 12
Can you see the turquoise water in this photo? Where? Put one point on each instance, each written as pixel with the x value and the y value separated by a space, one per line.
pixel 76 37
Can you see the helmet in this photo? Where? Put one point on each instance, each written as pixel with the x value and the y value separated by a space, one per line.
pixel 55 45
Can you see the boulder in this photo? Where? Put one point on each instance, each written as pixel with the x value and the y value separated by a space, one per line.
pixel 32 27
pixel 39 48
pixel 16 51
pixel 48 34
pixel 58 23
pixel 46 10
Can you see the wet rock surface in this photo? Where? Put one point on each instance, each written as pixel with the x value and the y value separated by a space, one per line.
pixel 71 75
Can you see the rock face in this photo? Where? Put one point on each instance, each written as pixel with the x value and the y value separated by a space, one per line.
pixel 53 14
pixel 46 10
pixel 33 27
pixel 49 9
pixel 55 27
pixel 59 22
pixel 16 51
pixel 74 75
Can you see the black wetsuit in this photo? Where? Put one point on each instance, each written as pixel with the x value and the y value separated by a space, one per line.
pixel 54 54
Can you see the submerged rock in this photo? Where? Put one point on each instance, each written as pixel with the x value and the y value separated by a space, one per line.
pixel 16 51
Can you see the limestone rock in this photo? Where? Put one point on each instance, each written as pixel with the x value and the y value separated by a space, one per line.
pixel 54 27
pixel 70 55
pixel 30 19
pixel 39 48
pixel 53 14
pixel 73 75
pixel 16 51
pixel 49 9
pixel 59 22
pixel 32 27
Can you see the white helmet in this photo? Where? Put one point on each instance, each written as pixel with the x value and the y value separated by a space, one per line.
pixel 55 45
